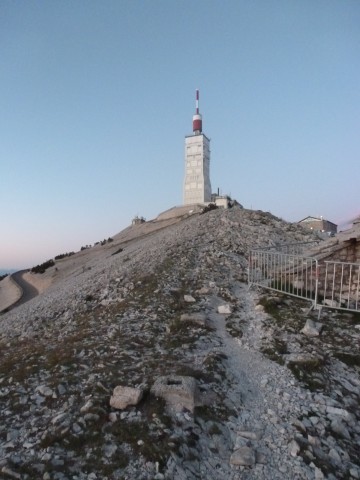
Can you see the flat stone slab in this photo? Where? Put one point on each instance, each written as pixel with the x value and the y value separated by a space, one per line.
pixel 189 299
pixel 124 396
pixel 224 309
pixel 243 456
pixel 303 359
pixel 179 392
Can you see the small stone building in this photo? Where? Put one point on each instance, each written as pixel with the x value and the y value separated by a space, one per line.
pixel 318 224
pixel 138 220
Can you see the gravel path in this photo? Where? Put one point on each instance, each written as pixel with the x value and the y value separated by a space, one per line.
pixel 262 393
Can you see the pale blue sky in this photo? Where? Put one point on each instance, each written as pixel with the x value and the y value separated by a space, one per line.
pixel 97 96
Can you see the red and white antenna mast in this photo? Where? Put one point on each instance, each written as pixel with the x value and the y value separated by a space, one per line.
pixel 197 118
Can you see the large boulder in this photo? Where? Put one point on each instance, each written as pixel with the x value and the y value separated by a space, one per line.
pixel 311 328
pixel 124 396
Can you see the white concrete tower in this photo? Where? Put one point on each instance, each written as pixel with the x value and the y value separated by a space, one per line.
pixel 197 187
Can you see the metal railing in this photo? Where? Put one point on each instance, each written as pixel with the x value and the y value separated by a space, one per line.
pixel 292 274
pixel 329 284
pixel 341 285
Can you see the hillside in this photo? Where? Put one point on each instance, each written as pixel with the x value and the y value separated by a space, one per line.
pixel 227 386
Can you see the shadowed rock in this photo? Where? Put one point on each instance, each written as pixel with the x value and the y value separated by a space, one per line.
pixel 178 391
pixel 197 318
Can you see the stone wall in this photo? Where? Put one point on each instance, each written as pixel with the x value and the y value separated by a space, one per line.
pixel 348 251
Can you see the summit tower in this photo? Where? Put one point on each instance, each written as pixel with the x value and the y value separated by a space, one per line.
pixel 197 187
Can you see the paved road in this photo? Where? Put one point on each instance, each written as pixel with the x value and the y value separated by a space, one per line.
pixel 28 290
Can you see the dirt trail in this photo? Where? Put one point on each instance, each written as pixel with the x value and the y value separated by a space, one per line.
pixel 257 391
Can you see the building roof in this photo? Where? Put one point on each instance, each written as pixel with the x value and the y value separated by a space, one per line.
pixel 315 219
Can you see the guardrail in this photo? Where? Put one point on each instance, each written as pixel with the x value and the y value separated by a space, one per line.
pixel 291 274
pixel 329 284
pixel 341 287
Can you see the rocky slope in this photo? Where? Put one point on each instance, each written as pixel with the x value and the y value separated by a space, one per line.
pixel 169 299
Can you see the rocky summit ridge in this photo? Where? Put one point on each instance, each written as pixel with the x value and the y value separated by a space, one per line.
pixel 150 358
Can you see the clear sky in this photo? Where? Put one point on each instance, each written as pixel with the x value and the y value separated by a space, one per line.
pixel 97 96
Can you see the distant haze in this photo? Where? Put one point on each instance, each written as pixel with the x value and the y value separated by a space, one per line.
pixel 3 272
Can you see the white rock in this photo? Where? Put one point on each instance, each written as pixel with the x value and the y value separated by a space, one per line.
pixel 44 390
pixel 354 473
pixel 86 407
pixel 113 416
pixel 294 448
pixel 311 328
pixel 124 396
pixel 10 473
pixel 333 454
pixel 59 417
pixel 331 303
pixel 203 291
pixel 314 420
pixel 314 441
pixel 243 456
pixel 76 428
pixel 224 309
pixel 318 474
pixel 250 435
pixel 259 308
pixel 189 299
pixel 340 412
pixel 28 445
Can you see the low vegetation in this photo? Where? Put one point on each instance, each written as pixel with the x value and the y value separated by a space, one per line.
pixel 43 266
pixel 64 255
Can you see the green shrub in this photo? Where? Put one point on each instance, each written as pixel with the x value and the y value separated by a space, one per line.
pixel 43 266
